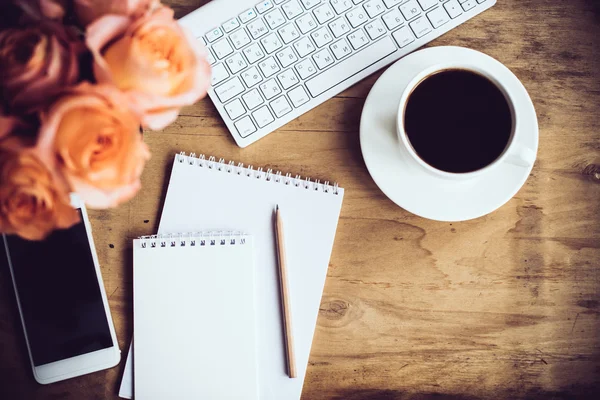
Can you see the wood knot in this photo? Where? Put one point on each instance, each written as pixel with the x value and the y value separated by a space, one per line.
pixel 593 172
pixel 337 311
pixel 334 309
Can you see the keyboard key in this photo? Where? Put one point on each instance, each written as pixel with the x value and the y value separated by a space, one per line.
pixel 239 38
pixel 469 4
pixel 453 9
pixel 236 63
pixel 286 57
pixel 288 79
pixel 292 9
pixel 341 6
pixel 321 36
pixel 275 18
pixel 374 8
pixel 219 74
pixel 235 109
pixel 252 99
pixel 438 17
pixel 306 23
pixel 210 58
pixel 281 106
pixel 421 27
pixel 257 28
pixel 304 47
pixel 341 49
pixel 269 67
pixel 270 89
pixel 231 25
pixel 289 33
pixel 306 68
pixel 214 35
pixel 393 19
pixel 410 9
pixel 264 6
pixel 358 39
pixel 229 89
pixel 271 43
pixel 357 17
pixel 403 36
pixel 323 59
pixel 247 15
pixel 339 27
pixel 350 66
pixel 427 4
pixel 392 3
pixel 375 29
pixel 310 3
pixel 251 76
pixel 263 116
pixel 253 53
pixel 222 48
pixel 324 13
pixel 245 126
pixel 298 96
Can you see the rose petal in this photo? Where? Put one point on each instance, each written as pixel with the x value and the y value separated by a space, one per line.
pixel 98 35
pixel 160 119
pixel 90 10
pixel 7 125
pixel 102 199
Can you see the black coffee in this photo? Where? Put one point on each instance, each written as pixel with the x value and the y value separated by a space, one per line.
pixel 458 121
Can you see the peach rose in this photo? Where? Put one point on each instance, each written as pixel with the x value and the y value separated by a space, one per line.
pixel 158 65
pixel 37 62
pixel 89 10
pixel 32 202
pixel 94 140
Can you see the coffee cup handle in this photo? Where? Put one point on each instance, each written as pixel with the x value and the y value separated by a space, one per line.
pixel 521 156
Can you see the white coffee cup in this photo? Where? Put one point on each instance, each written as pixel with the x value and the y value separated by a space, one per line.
pixel 515 152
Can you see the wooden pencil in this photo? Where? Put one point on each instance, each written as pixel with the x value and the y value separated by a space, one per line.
pixel 285 297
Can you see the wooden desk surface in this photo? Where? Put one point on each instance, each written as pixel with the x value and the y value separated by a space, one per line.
pixel 505 306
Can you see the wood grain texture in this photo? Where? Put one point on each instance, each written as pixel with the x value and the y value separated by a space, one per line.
pixel 505 306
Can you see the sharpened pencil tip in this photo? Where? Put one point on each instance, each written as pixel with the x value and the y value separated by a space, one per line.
pixel 277 207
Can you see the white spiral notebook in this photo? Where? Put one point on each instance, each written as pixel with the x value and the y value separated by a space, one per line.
pixel 194 317
pixel 218 195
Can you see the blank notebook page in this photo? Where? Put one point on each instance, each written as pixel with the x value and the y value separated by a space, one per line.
pixel 205 194
pixel 194 319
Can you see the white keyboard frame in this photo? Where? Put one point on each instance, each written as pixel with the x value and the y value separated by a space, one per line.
pixel 203 20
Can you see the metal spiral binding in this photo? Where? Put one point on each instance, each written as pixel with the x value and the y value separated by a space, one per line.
pixel 269 175
pixel 194 239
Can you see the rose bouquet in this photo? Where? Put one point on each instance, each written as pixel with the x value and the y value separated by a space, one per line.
pixel 78 81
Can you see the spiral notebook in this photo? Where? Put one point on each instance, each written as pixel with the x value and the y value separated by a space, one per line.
pixel 214 194
pixel 195 317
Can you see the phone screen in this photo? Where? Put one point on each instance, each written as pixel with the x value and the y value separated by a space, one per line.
pixel 60 296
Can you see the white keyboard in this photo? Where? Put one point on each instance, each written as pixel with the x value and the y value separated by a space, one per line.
pixel 275 60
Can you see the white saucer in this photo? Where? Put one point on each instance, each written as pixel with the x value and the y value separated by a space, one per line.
pixel 407 183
